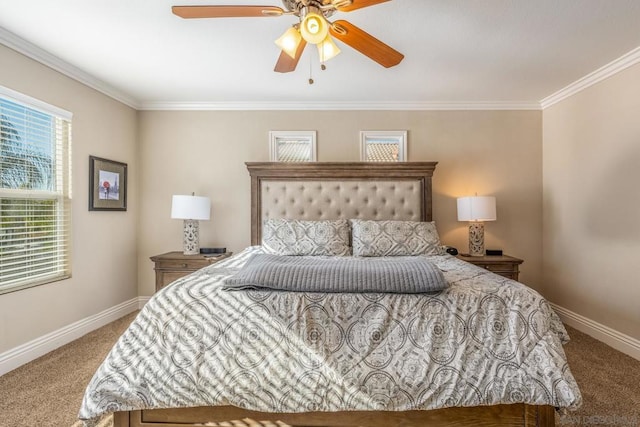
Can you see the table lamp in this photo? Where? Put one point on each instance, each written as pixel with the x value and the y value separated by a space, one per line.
pixel 476 210
pixel 191 209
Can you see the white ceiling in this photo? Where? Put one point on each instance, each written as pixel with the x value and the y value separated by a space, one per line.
pixel 510 51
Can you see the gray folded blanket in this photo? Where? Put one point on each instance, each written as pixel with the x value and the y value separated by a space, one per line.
pixel 409 275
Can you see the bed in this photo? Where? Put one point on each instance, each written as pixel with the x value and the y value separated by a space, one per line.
pixel 330 191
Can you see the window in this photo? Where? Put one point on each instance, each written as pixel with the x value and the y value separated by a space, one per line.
pixel 383 146
pixel 35 192
pixel 292 146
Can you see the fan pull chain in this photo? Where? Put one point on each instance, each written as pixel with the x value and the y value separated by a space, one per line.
pixel 322 66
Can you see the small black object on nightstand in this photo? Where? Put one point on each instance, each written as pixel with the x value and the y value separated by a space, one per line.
pixel 452 251
pixel 494 252
pixel 210 251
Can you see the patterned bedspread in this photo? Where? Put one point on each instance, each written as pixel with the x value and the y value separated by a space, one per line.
pixel 484 340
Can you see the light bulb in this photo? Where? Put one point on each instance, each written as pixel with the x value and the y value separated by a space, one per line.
pixel 314 28
pixel 313 25
pixel 327 49
pixel 290 41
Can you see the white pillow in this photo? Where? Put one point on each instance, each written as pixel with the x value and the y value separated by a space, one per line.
pixel 299 237
pixel 394 238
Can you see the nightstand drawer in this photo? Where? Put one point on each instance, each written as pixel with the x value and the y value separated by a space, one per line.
pixel 167 277
pixel 504 265
pixel 499 267
pixel 191 265
pixel 172 266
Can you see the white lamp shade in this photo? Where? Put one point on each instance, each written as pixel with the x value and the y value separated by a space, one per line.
pixel 477 208
pixel 191 207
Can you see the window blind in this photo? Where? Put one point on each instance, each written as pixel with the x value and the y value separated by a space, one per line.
pixel 35 192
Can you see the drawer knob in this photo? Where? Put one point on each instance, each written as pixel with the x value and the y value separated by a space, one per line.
pixel 184 265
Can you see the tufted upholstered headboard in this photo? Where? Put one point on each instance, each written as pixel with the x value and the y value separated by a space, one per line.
pixel 326 190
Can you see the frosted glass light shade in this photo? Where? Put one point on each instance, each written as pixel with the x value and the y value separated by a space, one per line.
pixel 191 207
pixel 314 28
pixel 327 49
pixel 290 41
pixel 477 208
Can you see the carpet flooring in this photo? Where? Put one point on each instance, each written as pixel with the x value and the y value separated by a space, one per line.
pixel 48 391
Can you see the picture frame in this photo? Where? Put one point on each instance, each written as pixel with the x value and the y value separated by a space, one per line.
pixel 107 185
pixel 383 146
pixel 292 146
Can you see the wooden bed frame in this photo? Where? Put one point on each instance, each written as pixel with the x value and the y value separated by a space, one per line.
pixel 421 172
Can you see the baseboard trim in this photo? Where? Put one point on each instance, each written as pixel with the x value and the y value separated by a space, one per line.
pixel 18 356
pixel 607 335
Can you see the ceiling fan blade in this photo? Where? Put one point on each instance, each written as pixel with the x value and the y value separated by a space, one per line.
pixel 359 4
pixel 287 64
pixel 365 43
pixel 189 12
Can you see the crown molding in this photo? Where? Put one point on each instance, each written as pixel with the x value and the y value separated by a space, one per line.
pixel 602 73
pixel 357 105
pixel 36 53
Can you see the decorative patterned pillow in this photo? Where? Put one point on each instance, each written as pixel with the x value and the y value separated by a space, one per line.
pixel 395 238
pixel 298 237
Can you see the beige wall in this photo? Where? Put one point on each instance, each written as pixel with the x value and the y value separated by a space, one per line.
pixel 591 232
pixel 104 243
pixel 488 152
pixel 565 180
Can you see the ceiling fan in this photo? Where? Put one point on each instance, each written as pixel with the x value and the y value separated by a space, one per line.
pixel 312 27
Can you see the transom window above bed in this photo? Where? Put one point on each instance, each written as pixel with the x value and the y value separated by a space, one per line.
pixel 292 146
pixel 383 146
pixel 35 192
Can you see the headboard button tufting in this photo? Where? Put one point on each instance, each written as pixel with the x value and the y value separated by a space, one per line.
pixel 332 191
pixel 327 198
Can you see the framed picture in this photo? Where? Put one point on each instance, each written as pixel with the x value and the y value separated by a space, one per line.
pixel 107 185
pixel 292 146
pixel 383 145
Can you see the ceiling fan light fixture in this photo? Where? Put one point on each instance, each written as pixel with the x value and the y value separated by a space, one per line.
pixel 314 28
pixel 327 49
pixel 290 41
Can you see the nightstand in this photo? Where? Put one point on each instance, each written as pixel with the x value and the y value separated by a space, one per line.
pixel 174 265
pixel 504 265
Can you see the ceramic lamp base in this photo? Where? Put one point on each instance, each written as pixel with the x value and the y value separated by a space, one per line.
pixel 191 237
pixel 476 238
